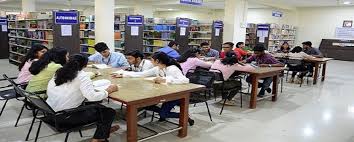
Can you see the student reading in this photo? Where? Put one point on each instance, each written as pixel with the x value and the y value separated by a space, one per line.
pixel 70 87
pixel 137 62
pixel 190 60
pixel 105 56
pixel 171 50
pixel 209 52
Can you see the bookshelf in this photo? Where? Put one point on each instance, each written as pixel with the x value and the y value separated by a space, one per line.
pixel 251 35
pixel 279 34
pixel 119 32
pixel 199 33
pixel 25 30
pixel 87 34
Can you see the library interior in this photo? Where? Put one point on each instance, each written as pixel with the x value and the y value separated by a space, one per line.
pixel 176 70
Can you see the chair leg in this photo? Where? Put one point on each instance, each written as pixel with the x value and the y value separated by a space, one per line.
pixel 66 137
pixel 39 129
pixel 19 115
pixel 30 129
pixel 206 103
pixel 223 105
pixel 281 84
pixel 121 107
pixel 80 132
pixel 241 98
pixel 3 107
pixel 152 117
pixel 107 100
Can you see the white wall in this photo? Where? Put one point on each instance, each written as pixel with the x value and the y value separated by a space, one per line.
pixel 208 16
pixel 316 24
pixel 264 15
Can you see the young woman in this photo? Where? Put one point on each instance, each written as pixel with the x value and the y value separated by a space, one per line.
pixel 44 69
pixel 297 54
pixel 190 60
pixel 35 53
pixel 285 48
pixel 228 66
pixel 70 87
pixel 166 70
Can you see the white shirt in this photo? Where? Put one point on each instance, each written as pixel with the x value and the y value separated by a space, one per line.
pixel 172 74
pixel 72 94
pixel 300 55
pixel 143 66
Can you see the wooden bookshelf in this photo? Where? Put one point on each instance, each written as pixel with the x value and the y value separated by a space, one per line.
pixel 199 33
pixel 119 31
pixel 251 35
pixel 87 34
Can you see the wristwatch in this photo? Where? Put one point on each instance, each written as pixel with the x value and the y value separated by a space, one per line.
pixel 270 65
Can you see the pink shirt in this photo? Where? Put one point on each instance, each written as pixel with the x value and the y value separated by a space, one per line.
pixel 228 70
pixel 25 75
pixel 193 63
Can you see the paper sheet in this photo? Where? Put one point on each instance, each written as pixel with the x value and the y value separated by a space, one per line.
pixel 134 31
pixel 101 84
pixel 183 31
pixel 262 39
pixel 100 66
pixel 4 28
pixel 66 30
pixel 217 32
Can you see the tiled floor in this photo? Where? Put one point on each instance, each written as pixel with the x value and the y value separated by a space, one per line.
pixel 312 113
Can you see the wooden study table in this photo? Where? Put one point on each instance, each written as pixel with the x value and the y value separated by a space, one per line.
pixel 317 62
pixel 263 72
pixel 138 93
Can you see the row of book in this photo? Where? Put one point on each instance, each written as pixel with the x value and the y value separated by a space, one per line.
pixel 163 35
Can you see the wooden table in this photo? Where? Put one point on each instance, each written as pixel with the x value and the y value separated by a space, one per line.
pixel 263 72
pixel 317 62
pixel 138 93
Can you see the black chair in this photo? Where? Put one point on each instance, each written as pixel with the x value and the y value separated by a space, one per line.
pixel 219 81
pixel 7 93
pixel 298 65
pixel 51 117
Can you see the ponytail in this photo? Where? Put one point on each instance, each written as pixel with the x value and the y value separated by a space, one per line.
pixel 70 70
pixel 163 58
pixel 56 55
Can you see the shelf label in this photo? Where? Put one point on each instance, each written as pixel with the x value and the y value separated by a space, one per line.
pixel 277 14
pixel 135 20
pixel 183 22
pixel 66 17
pixel 218 24
pixel 191 2
pixel 3 21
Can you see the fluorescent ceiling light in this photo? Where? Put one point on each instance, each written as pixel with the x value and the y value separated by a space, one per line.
pixel 169 9
pixel 347 2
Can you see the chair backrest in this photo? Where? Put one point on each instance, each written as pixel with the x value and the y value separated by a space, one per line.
pixel 202 77
pixel 295 62
pixel 14 84
pixel 218 74
pixel 37 101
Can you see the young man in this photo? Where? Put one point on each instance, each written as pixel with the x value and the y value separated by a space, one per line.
pixel 105 56
pixel 239 49
pixel 263 60
pixel 308 49
pixel 208 52
pixel 137 61
pixel 171 50
pixel 226 47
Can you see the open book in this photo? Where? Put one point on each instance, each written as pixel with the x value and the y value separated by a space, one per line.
pixel 102 84
pixel 100 66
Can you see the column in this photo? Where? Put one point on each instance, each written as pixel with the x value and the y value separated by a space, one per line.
pixel 145 9
pixel 104 22
pixel 28 5
pixel 235 20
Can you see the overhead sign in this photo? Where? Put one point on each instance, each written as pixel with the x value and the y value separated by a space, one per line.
pixel 136 20
pixel 183 22
pixel 191 2
pixel 3 21
pixel 277 14
pixel 66 17
pixel 218 24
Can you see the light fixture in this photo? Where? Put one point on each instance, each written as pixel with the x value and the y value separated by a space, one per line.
pixel 169 9
pixel 347 2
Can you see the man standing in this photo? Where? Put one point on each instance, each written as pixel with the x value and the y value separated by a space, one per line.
pixel 171 50
pixel 105 56
pixel 208 52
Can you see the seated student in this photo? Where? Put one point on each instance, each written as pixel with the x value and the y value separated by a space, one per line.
pixel 70 87
pixel 285 48
pixel 226 47
pixel 263 60
pixel 105 56
pixel 137 61
pixel 227 67
pixel 166 70
pixel 308 49
pixel 44 69
pixel 190 60
pixel 297 53
pixel 241 53
pixel 171 50
pixel 209 52
pixel 34 54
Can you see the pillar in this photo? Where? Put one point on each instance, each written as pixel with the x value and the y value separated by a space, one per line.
pixel 145 9
pixel 104 22
pixel 235 20
pixel 28 5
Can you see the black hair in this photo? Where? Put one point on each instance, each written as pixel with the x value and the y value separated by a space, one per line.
pixel 259 47
pixel 296 49
pixel 230 58
pixel 31 54
pixel 172 43
pixel 136 54
pixel 239 43
pixel 56 55
pixel 190 53
pixel 70 70
pixel 204 44
pixel 163 58
pixel 282 46
pixel 101 46
pixel 230 43
pixel 309 43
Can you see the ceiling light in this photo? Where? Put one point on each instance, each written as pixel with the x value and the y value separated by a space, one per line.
pixel 169 9
pixel 347 3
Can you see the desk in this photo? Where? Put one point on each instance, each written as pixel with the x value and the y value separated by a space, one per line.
pixel 263 72
pixel 318 62
pixel 137 93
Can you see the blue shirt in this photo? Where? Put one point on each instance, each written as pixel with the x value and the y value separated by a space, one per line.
pixel 212 53
pixel 170 52
pixel 115 59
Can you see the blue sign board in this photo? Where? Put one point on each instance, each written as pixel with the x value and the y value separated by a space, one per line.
pixel 277 14
pixel 263 27
pixel 3 21
pixel 66 17
pixel 135 20
pixel 192 2
pixel 183 22
pixel 218 25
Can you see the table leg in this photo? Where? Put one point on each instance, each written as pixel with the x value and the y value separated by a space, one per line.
pixel 183 116
pixel 275 88
pixel 254 91
pixel 324 66
pixel 132 124
pixel 315 77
